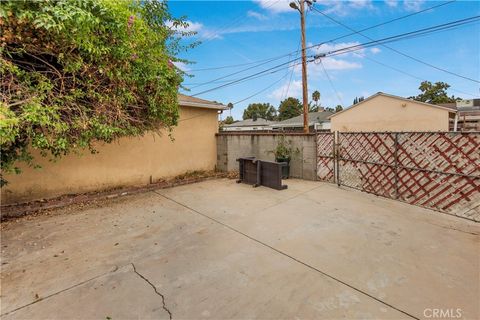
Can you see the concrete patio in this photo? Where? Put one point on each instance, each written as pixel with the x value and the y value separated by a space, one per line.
pixel 222 250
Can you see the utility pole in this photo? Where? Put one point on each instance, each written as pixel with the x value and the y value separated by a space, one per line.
pixel 301 9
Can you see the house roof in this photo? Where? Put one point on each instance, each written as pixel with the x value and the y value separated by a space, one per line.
pixel 464 110
pixel 251 122
pixel 189 101
pixel 449 109
pixel 313 117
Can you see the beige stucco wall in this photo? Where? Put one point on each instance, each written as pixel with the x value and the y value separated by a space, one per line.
pixel 383 113
pixel 129 161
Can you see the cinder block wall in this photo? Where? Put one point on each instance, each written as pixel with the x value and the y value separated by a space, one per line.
pixel 231 146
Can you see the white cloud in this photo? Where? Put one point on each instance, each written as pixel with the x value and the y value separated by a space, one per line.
pixel 182 66
pixel 413 5
pixel 391 3
pixel 343 8
pixel 330 64
pixel 375 50
pixel 339 7
pixel 256 15
pixel 202 32
pixel 335 64
pixel 328 47
pixel 294 90
pixel 360 4
pixel 275 6
pixel 192 26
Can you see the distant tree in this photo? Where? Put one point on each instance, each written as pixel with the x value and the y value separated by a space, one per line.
pixel 338 108
pixel 329 109
pixel 230 107
pixel 316 97
pixel 289 108
pixel 434 93
pixel 260 110
pixel 312 108
pixel 358 99
pixel 229 120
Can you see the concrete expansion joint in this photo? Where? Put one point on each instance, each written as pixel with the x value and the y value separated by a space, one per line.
pixel 115 268
pixel 164 306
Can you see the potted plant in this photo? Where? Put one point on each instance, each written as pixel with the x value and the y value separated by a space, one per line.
pixel 283 153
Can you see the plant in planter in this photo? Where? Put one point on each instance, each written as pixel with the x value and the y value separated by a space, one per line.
pixel 284 151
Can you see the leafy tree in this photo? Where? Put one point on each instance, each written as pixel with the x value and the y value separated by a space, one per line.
pixel 330 109
pixel 312 108
pixel 358 99
pixel 316 97
pixel 338 108
pixel 260 110
pixel 75 72
pixel 289 108
pixel 229 120
pixel 230 107
pixel 434 93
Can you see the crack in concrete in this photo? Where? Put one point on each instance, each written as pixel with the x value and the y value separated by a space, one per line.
pixel 155 289
pixel 332 277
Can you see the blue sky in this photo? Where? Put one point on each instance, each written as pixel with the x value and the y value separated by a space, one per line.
pixel 241 32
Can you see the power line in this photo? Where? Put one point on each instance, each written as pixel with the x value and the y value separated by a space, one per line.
pixel 241 71
pixel 331 83
pixel 353 48
pixel 264 89
pixel 409 74
pixel 399 52
pixel 335 39
pixel 291 73
pixel 403 36
pixel 246 77
pixel 234 65
pixel 230 24
pixel 386 22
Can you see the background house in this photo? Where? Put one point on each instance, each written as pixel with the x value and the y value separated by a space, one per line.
pixel 316 121
pixel 467 115
pixel 385 112
pixel 128 161
pixel 249 125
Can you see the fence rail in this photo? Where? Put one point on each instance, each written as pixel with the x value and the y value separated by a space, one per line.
pixel 436 170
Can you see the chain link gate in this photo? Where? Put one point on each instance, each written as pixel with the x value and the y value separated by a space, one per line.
pixel 436 170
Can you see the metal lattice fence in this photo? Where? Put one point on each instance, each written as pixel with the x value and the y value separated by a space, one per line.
pixel 436 170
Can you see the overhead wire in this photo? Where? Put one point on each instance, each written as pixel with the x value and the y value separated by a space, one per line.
pixel 263 90
pixel 272 70
pixel 334 39
pixel 331 83
pixel 409 74
pixel 467 20
pixel 230 24
pixel 403 36
pixel 291 73
pixel 350 49
pixel 235 73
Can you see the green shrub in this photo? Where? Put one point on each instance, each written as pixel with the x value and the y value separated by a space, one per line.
pixel 73 72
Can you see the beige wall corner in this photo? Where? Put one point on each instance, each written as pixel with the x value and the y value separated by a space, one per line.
pixel 129 161
pixel 386 113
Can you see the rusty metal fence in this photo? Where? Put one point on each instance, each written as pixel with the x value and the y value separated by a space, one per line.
pixel 436 170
